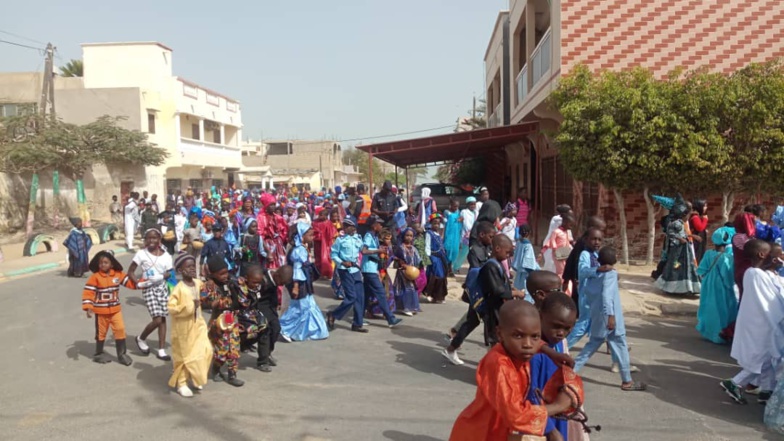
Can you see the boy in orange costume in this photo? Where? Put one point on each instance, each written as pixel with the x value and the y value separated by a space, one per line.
pixel 500 411
pixel 101 296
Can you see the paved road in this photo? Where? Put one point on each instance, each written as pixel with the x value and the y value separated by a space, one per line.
pixel 386 385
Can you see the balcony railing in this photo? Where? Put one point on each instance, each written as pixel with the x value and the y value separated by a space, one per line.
pixel 497 118
pixel 522 85
pixel 540 58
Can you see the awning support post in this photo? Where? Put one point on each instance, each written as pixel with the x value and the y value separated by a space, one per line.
pixel 370 173
pixel 397 184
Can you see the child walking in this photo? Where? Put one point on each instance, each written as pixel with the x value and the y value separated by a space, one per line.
pixel 607 319
pixel 223 297
pixel 345 253
pixel 303 320
pixel 501 410
pixel 405 289
pixel 524 261
pixel 156 265
pixel 262 287
pixel 452 233
pixel 101 297
pixel 78 244
pixel 436 289
pixel 191 349
pixel 373 256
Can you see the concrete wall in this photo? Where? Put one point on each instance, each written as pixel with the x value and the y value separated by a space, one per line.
pixel 147 65
pixel 20 87
pixel 310 155
pixel 494 62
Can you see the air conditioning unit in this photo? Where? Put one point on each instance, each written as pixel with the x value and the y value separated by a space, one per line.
pixel 206 174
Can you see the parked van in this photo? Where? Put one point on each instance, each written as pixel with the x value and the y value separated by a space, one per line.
pixel 442 193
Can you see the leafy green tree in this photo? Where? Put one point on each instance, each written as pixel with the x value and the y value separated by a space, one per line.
pixel 360 160
pixel 73 68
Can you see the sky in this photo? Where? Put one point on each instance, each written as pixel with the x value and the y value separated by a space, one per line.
pixel 307 69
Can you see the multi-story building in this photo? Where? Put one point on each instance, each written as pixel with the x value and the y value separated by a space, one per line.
pixel 537 41
pixel 200 129
pixel 313 164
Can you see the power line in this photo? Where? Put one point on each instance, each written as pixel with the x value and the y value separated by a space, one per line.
pixel 22 45
pixel 450 126
pixel 21 36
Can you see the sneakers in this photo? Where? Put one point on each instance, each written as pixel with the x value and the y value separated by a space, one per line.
pixel 615 368
pixel 753 390
pixel 733 390
pixel 285 338
pixel 394 322
pixel 408 313
pixel 764 396
pixel 142 345
pixel 185 392
pixel 452 357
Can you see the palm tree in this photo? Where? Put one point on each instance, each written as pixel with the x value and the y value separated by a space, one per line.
pixel 74 68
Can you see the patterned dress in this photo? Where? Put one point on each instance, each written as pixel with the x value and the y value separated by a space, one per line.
pixel 225 339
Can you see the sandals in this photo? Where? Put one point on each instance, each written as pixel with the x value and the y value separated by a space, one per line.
pixel 636 386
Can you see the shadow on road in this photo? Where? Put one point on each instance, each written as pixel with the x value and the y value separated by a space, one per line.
pixel 395 435
pixel 693 382
pixel 428 360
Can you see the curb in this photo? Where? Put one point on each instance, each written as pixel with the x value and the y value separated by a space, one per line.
pixel 46 266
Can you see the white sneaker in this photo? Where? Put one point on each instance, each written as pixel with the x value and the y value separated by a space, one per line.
pixel 198 387
pixel 142 345
pixel 408 313
pixel 185 392
pixel 452 357
pixel 285 338
pixel 615 368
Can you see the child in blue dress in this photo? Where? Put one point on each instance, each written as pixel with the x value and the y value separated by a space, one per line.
pixel 303 319
pixel 405 290
pixel 718 304
pixel 524 261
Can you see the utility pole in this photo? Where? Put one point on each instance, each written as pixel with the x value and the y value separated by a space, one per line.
pixel 473 110
pixel 47 88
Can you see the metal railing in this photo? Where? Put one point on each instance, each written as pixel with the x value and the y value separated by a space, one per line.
pixel 497 118
pixel 540 58
pixel 522 85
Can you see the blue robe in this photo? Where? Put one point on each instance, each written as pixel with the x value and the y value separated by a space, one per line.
pixel 718 304
pixel 452 234
pixel 524 262
pixel 303 320
pixel 78 244
pixel 542 368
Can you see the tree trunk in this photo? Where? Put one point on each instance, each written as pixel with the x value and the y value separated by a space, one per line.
pixel 81 200
pixel 651 226
pixel 56 199
pixel 727 201
pixel 31 207
pixel 622 221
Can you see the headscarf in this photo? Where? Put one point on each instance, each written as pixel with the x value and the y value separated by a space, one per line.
pixel 246 225
pixel 338 189
pixel 302 228
pixel 394 189
pixel 425 192
pixel 267 199
pixel 723 236
pixel 470 200
pixel 403 234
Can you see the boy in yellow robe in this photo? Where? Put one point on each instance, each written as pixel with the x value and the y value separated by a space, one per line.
pixel 191 347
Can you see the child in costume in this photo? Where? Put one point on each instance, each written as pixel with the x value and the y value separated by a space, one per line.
pixel 101 297
pixel 223 297
pixel 303 320
pixel 191 349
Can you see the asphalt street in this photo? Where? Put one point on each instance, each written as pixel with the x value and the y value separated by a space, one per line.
pixel 385 385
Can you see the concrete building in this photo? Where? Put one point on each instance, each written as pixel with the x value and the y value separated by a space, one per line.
pixel 313 163
pixel 201 129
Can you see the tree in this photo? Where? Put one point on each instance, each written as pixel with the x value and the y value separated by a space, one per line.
pixel 73 68
pixel 624 131
pixel 359 158
pixel 469 171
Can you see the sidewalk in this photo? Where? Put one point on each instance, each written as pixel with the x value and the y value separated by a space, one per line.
pixel 15 264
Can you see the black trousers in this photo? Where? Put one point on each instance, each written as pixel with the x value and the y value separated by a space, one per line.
pixel 268 338
pixel 471 323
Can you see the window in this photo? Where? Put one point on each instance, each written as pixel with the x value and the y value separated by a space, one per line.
pixel 195 184
pixel 195 131
pixel 217 183
pixel 8 110
pixel 174 184
pixel 216 137
pixel 151 122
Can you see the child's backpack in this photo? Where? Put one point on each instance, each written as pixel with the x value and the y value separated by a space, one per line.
pixel 473 286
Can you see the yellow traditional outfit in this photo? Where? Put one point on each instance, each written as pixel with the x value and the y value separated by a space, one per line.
pixel 191 348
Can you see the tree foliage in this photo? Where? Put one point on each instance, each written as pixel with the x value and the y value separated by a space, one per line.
pixel 29 143
pixel 73 68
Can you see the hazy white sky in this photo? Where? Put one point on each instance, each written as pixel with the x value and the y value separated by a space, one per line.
pixel 307 69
